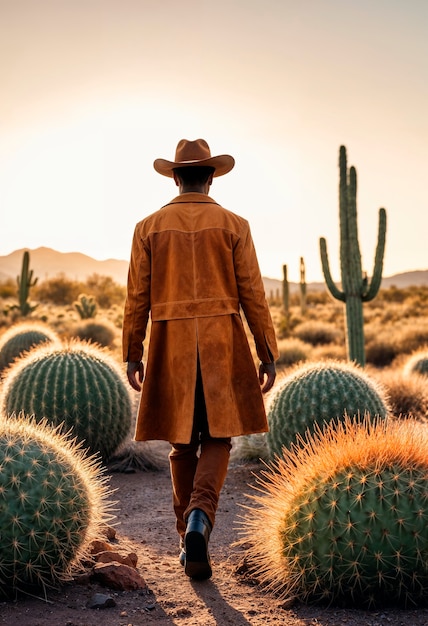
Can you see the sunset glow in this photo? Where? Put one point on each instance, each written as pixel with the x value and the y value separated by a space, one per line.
pixel 92 92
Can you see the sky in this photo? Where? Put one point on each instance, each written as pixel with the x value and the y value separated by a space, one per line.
pixel 92 91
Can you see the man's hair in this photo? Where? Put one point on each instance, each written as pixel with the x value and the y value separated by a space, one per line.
pixel 194 173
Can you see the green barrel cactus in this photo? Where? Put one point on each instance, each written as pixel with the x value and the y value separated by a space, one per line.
pixel 344 519
pixel 79 385
pixel 21 337
pixel 53 503
pixel 318 392
pixel 417 363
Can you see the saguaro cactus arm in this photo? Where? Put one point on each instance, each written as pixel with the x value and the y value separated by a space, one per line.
pixel 376 280
pixel 334 290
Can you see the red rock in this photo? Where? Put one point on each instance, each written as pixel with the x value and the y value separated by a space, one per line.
pixel 111 555
pixel 118 576
pixel 99 546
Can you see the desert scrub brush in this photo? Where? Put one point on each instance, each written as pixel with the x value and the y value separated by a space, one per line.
pixel 21 337
pixel 318 392
pixel 417 363
pixel 343 516
pixel 78 384
pixel 53 503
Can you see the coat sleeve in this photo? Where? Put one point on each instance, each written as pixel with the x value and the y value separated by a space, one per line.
pixel 137 304
pixel 252 297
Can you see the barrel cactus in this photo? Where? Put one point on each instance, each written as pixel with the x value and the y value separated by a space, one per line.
pixel 319 392
pixel 21 337
pixel 78 384
pixel 344 517
pixel 417 363
pixel 53 503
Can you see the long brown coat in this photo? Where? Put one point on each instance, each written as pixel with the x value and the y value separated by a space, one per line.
pixel 193 267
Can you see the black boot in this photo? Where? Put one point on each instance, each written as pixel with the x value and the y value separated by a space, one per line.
pixel 182 557
pixel 198 530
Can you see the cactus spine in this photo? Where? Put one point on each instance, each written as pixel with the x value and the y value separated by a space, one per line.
pixel 25 282
pixel 53 504
pixel 314 393
pixel 78 384
pixel 343 517
pixel 356 288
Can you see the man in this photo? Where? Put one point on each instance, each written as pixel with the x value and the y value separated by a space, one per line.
pixel 193 267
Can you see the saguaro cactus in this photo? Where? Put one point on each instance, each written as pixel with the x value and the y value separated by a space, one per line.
pixel 356 287
pixel 25 281
pixel 285 293
pixel 302 286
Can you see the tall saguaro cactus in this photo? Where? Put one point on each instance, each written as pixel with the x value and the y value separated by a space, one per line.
pixel 356 287
pixel 25 282
pixel 302 286
pixel 285 293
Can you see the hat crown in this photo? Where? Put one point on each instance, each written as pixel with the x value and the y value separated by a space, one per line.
pixel 188 151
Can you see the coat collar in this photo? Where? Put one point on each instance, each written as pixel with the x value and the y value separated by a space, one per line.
pixel 192 197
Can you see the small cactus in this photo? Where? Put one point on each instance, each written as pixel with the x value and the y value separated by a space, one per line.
pixel 303 286
pixel 316 393
pixel 78 384
pixel 417 363
pixel 53 503
pixel 343 517
pixel 21 337
pixel 25 282
pixel 85 306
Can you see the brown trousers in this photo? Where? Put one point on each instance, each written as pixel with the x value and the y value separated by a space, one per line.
pixel 199 468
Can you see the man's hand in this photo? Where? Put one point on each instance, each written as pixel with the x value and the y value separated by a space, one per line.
pixel 269 370
pixel 135 373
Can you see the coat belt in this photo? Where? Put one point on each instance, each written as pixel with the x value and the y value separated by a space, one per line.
pixel 206 307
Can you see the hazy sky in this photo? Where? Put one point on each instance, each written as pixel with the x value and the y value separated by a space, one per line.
pixel 92 91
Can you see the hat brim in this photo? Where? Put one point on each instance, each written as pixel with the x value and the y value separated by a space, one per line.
pixel 222 165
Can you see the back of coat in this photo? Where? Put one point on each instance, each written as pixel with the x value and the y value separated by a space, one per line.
pixel 194 269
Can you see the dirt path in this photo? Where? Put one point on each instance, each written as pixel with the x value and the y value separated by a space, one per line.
pixel 146 526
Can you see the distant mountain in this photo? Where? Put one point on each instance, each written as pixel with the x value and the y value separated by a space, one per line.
pixel 48 263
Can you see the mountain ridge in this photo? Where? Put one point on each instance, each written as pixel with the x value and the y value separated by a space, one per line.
pixel 47 263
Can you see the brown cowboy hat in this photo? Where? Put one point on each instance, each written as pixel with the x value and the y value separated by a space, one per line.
pixel 194 153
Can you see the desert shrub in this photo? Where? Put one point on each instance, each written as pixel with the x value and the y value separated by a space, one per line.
pixel 105 291
pixel 102 333
pixel 250 448
pixel 58 290
pixel 382 350
pixel 8 288
pixel 317 333
pixel 407 395
pixel 413 336
pixel 329 352
pixel 342 518
pixel 292 351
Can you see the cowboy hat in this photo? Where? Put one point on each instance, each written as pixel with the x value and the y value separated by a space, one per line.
pixel 194 153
